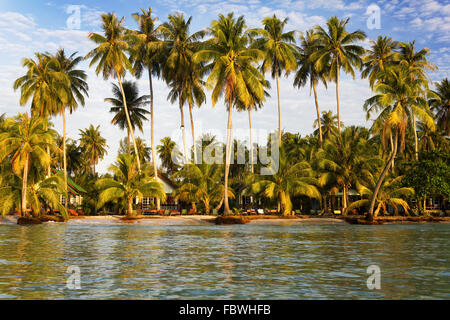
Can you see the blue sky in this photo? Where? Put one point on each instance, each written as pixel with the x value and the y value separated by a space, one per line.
pixel 27 26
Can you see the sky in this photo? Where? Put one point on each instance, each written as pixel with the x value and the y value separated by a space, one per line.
pixel 29 26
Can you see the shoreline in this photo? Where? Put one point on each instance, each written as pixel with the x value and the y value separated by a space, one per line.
pixel 203 220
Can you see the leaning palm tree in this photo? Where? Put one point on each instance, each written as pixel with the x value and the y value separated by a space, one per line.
pixel 441 105
pixel 293 178
pixel 127 184
pixel 179 48
pixel 397 91
pixel 379 57
pixel 231 62
pixel 308 72
pixel 337 49
pixel 45 85
pixel 146 54
pixel 279 52
pixel 135 106
pixel 418 65
pixel 25 142
pixel 111 59
pixel 391 194
pixel 75 94
pixel 93 145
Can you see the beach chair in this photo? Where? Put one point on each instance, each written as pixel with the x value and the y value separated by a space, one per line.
pixel 297 212
pixel 260 211
pixel 167 212
pixel 337 212
pixel 184 211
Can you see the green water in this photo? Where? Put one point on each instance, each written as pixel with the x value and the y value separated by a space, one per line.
pixel 233 262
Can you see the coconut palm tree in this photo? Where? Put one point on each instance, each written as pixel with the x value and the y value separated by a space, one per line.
pixel 93 145
pixel 143 149
pixel 308 72
pixel 231 62
pixel 168 152
pixel 200 183
pixel 293 178
pixel 344 159
pixel 179 48
pixel 379 57
pixel 146 54
pixel 397 91
pixel 25 141
pixel 77 90
pixel 329 124
pixel 128 184
pixel 279 52
pixel 135 106
pixel 337 49
pixel 391 194
pixel 441 105
pixel 111 59
pixel 418 65
pixel 45 85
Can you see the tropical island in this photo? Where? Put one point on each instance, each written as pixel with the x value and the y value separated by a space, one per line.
pixel 395 170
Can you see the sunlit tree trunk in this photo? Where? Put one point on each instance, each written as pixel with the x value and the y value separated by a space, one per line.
pixel 251 140
pixel 319 122
pixel 24 185
pixel 228 155
pixel 416 143
pixel 130 206
pixel 152 133
pixel 183 131
pixel 279 103
pixel 193 133
pixel 65 158
pixel 337 95
pixel 129 123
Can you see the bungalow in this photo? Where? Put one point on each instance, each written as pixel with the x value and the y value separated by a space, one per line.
pixel 169 187
pixel 75 192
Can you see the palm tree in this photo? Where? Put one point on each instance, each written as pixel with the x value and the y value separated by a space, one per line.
pixel 232 64
pixel 143 149
pixel 397 92
pixel 134 103
pixel 111 59
pixel 179 48
pixel 391 194
pixel 93 145
pixel 279 52
pixel 25 141
pixel 441 105
pixel 145 54
pixel 44 85
pixel 76 92
pixel 336 50
pixel 417 64
pixel 200 183
pixel 344 159
pixel 168 152
pixel 379 57
pixel 128 184
pixel 308 72
pixel 329 124
pixel 293 178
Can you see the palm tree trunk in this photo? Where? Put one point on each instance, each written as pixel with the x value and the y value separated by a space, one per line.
pixel 24 186
pixel 337 95
pixel 318 113
pixel 152 134
pixel 183 131
pixel 279 103
pixel 65 157
pixel 193 132
pixel 128 141
pixel 370 214
pixel 129 123
pixel 130 207
pixel 227 156
pixel 344 199
pixel 416 144
pixel 251 140
pixel 392 149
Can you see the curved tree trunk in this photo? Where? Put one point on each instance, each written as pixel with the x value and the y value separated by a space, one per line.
pixel 319 121
pixel 129 123
pixel 279 104
pixel 24 186
pixel 337 95
pixel 392 149
pixel 251 141
pixel 416 143
pixel 370 214
pixel 227 156
pixel 65 158
pixel 193 133
pixel 152 134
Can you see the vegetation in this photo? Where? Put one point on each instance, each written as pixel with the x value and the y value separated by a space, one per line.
pixel 400 161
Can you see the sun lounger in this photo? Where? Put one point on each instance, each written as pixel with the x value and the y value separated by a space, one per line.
pixel 184 211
